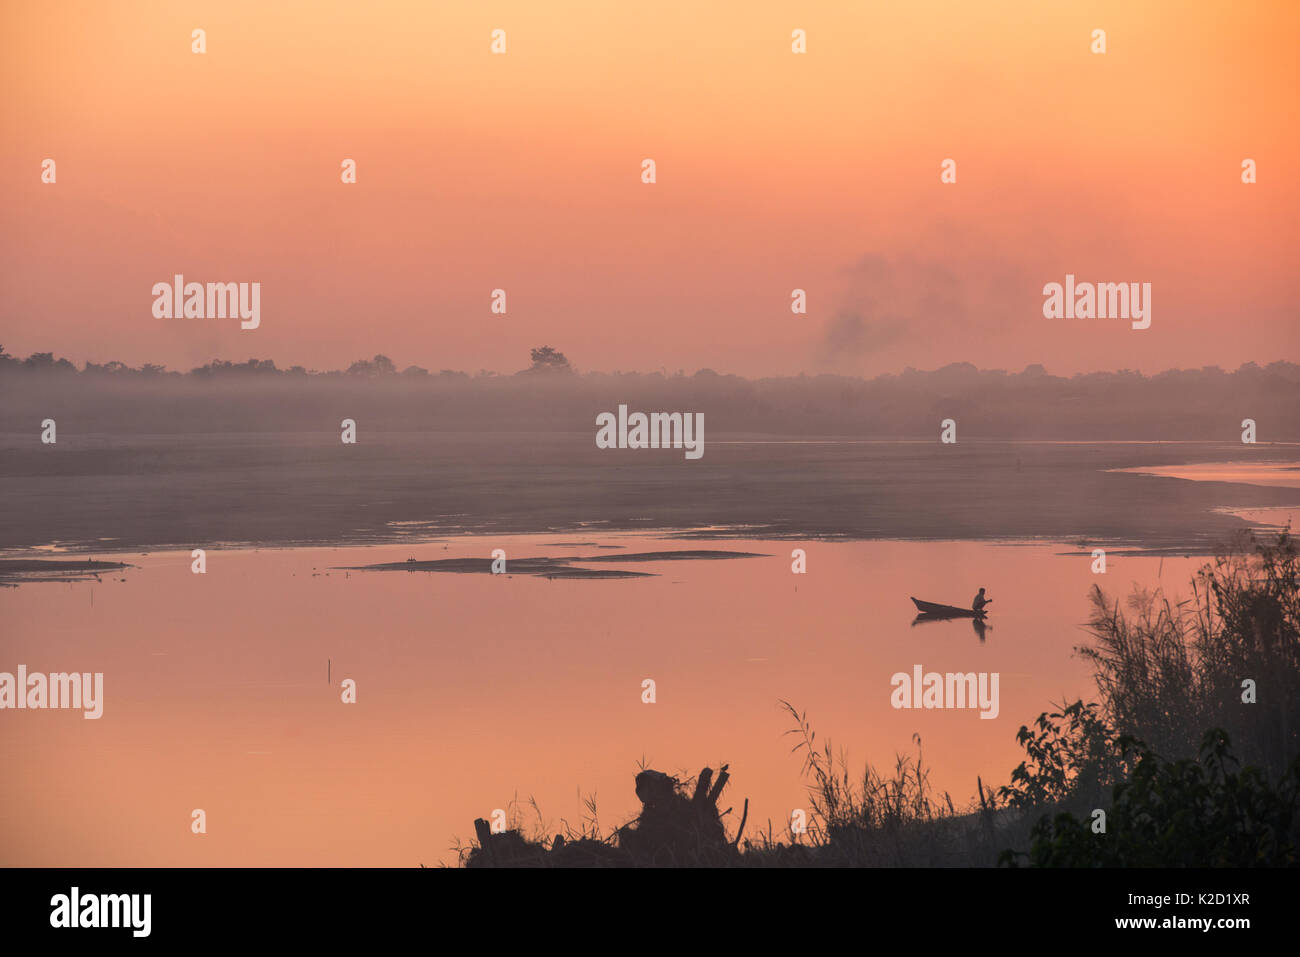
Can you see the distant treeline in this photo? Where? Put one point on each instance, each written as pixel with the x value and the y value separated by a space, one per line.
pixel 550 396
pixel 544 359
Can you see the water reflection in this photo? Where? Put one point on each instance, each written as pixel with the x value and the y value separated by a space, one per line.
pixel 474 687
pixel 978 625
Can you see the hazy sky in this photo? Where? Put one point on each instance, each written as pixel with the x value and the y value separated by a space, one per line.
pixel 523 171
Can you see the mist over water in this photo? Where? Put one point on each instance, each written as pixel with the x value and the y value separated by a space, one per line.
pixel 106 491
pixel 476 690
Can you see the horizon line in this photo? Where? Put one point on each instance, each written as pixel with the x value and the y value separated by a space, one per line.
pixel 48 362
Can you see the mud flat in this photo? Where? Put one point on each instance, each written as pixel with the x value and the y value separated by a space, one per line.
pixel 552 567
pixel 16 571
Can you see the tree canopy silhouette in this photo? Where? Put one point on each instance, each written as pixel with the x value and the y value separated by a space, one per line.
pixel 546 359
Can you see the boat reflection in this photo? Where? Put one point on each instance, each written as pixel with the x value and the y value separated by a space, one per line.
pixel 978 625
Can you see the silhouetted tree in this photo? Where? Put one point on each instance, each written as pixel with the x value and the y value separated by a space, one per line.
pixel 547 359
pixel 39 361
pixel 379 365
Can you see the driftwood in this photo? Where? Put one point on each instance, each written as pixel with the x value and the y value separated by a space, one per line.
pixel 716 791
pixel 702 785
pixel 673 829
pixel 655 789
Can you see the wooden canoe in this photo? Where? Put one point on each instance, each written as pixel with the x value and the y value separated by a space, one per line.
pixel 945 611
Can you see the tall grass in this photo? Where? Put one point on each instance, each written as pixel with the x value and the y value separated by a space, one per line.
pixel 1173 678
pixel 891 818
pixel 1169 671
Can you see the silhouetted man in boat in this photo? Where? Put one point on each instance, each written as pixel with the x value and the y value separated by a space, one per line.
pixel 980 601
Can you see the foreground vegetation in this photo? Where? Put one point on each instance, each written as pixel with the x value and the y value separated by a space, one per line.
pixel 1189 759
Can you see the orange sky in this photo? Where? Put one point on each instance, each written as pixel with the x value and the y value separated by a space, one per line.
pixel 776 171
